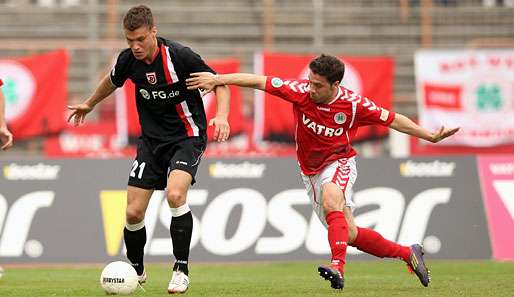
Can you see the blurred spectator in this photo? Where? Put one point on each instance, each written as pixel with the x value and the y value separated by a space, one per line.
pixel 492 3
pixel 45 3
pixel 447 2
pixel 62 3
pixel 442 2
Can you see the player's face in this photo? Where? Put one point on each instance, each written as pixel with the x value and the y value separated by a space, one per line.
pixel 142 41
pixel 321 91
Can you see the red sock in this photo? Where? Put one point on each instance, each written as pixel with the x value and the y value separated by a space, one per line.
pixel 337 238
pixel 373 243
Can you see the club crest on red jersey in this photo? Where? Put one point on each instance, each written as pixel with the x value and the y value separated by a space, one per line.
pixel 276 82
pixel 151 77
pixel 340 118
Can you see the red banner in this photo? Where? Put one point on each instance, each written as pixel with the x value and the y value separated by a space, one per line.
pixel 35 90
pixel 443 97
pixel 94 140
pixel 369 76
pixel 235 119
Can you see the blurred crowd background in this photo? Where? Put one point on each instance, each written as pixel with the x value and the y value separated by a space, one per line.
pixel 86 35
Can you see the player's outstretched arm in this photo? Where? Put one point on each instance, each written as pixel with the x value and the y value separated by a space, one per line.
pixel 220 122
pixel 207 81
pixel 6 139
pixel 404 124
pixel 79 111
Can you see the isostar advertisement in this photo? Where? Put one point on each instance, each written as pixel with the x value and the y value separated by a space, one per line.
pixel 69 211
pixel 471 89
pixel 273 117
pixel 35 90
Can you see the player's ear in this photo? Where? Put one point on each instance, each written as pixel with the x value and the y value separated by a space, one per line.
pixel 154 30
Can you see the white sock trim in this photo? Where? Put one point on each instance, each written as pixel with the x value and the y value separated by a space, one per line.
pixel 135 227
pixel 181 210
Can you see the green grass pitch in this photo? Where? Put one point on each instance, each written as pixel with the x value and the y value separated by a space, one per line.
pixel 363 278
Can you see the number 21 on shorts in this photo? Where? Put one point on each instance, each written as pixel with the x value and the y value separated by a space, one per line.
pixel 135 166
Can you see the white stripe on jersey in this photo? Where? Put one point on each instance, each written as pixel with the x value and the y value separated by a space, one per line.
pixel 171 68
pixel 189 118
pixel 354 112
pixel 303 87
pixel 292 85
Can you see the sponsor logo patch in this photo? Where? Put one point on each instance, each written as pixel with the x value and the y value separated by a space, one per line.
pixel 38 171
pixel 144 93
pixel 425 169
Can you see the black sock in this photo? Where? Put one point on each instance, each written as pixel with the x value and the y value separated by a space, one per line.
pixel 135 242
pixel 181 229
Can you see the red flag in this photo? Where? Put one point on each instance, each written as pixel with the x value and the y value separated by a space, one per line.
pixel 89 140
pixel 35 89
pixel 370 76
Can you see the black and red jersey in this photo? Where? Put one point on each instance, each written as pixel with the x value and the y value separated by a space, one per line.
pixel 168 111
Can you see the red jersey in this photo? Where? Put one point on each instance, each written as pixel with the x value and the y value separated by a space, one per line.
pixel 1 83
pixel 324 132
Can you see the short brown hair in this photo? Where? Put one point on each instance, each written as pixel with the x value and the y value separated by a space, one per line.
pixel 137 17
pixel 329 67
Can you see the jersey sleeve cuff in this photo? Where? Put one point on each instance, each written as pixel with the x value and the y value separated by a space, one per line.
pixel 390 118
pixel 112 82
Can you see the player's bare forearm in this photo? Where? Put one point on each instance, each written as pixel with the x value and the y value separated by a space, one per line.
pixel 247 80
pixel 405 125
pixel 79 111
pixel 222 100
pixel 6 137
pixel 104 89
pixel 220 122
pixel 207 80
pixel 2 110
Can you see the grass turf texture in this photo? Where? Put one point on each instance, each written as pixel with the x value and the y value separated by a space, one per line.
pixel 363 278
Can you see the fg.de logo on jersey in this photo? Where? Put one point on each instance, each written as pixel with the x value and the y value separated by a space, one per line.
pixel 151 77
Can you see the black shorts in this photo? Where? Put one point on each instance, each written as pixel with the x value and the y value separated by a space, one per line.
pixel 154 161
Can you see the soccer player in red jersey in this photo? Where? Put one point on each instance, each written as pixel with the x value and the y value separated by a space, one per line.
pixel 5 135
pixel 327 117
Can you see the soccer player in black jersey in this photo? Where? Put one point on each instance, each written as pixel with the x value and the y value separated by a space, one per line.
pixel 173 139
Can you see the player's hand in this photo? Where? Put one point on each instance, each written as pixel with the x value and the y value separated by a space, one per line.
pixel 79 113
pixel 442 133
pixel 221 128
pixel 6 138
pixel 205 81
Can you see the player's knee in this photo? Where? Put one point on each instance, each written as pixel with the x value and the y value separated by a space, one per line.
pixel 134 215
pixel 175 198
pixel 332 204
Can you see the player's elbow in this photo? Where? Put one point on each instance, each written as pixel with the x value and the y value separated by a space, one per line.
pixel 222 90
